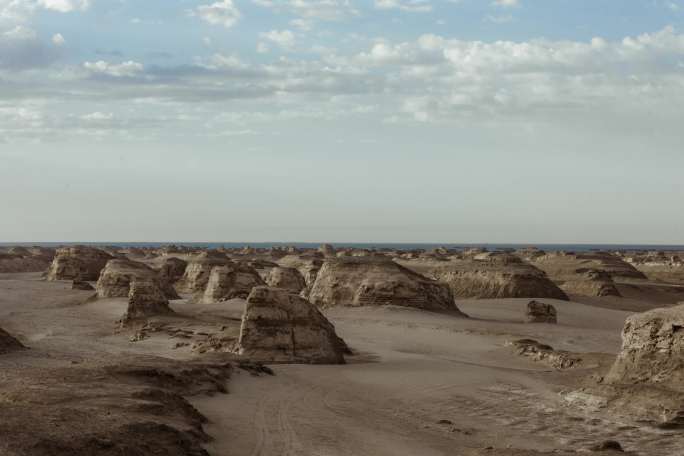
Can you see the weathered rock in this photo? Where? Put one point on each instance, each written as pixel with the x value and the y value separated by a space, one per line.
pixel 307 265
pixel 287 278
pixel 608 445
pixel 146 299
pixel 81 285
pixel 652 350
pixel 78 262
pixel 540 312
pixel 363 281
pixel 8 343
pixel 545 354
pixel 279 326
pixel 234 280
pixel 327 250
pixel 196 275
pixel 116 278
pixel 492 276
pixel 170 272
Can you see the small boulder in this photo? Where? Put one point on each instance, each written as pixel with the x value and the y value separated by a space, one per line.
pixel 279 326
pixel 608 445
pixel 540 312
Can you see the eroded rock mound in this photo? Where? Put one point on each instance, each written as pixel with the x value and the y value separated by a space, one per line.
pixel 22 259
pixel 146 299
pixel 364 281
pixel 490 276
pixel 545 354
pixel 287 278
pixel 170 272
pixel 279 326
pixel 8 343
pixel 652 350
pixel 81 285
pixel 307 265
pixel 116 278
pixel 233 280
pixel 540 312
pixel 78 262
pixel 196 275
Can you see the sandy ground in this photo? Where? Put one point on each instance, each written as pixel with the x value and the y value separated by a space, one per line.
pixel 419 383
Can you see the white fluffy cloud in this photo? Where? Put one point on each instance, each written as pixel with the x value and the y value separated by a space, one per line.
pixel 311 9
pixel 64 6
pixel 223 13
pixel 116 70
pixel 506 3
pixel 411 6
pixel 283 38
pixel 58 39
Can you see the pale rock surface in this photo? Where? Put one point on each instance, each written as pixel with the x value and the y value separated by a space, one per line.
pixel 287 278
pixel 196 275
pixel 233 280
pixel 364 281
pixel 116 277
pixel 279 326
pixel 78 262
pixel 146 299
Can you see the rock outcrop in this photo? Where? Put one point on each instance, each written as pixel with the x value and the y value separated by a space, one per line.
pixel 307 265
pixel 116 278
pixel 146 299
pixel 279 326
pixel 652 350
pixel 587 274
pixel 287 278
pixel 364 281
pixel 22 259
pixel 170 272
pixel 78 262
pixel 233 280
pixel 8 343
pixel 540 312
pixel 196 275
pixel 489 276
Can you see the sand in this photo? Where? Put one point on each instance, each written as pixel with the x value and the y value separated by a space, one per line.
pixel 419 383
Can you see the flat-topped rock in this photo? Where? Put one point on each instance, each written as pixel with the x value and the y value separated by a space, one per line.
pixel 652 350
pixel 279 326
pixel 372 280
pixel 146 299
pixel 116 277
pixel 490 277
pixel 196 275
pixel 233 280
pixel 78 262
pixel 287 278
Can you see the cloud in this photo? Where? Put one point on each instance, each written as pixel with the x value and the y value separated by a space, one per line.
pixel 329 10
pixel 64 6
pixel 506 3
pixel 223 13
pixel 410 6
pixel 58 39
pixel 283 38
pixel 21 49
pixel 116 70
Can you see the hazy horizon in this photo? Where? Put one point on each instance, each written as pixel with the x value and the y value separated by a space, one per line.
pixel 452 121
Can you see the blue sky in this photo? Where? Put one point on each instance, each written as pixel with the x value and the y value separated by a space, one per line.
pixel 342 120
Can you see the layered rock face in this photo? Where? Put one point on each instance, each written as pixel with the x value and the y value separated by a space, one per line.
pixel 540 312
pixel 287 278
pixel 587 274
pixel 234 280
pixel 307 265
pixel 8 343
pixel 279 326
pixel 652 350
pixel 116 278
pixel 490 277
pixel 22 259
pixel 363 281
pixel 79 262
pixel 170 272
pixel 196 275
pixel 146 299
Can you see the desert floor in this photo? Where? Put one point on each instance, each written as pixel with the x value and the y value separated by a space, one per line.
pixel 419 383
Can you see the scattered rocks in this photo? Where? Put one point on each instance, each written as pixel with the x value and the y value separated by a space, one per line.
pixel 540 312
pixel 78 262
pixel 279 326
pixel 545 353
pixel 287 278
pixel 233 280
pixel 374 280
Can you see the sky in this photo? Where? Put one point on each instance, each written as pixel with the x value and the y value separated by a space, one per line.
pixel 462 121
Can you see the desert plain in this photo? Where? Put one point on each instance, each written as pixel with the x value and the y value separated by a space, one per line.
pixel 340 351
